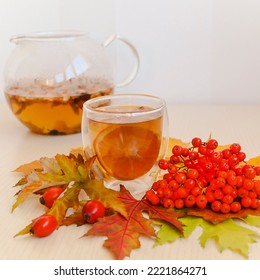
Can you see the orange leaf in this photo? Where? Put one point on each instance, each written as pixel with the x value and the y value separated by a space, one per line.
pixel 27 168
pixel 77 151
pixel 25 192
pixel 216 218
pixel 74 219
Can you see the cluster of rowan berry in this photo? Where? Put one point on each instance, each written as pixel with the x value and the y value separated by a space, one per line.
pixel 206 177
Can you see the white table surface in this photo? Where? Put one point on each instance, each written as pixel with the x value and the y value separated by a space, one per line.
pixel 226 123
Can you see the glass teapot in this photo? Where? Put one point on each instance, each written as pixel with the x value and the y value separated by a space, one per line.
pixel 49 76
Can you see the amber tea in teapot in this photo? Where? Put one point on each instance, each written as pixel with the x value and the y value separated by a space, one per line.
pixel 60 105
pixel 49 75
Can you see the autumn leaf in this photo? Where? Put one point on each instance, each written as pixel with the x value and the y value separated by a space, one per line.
pixel 35 180
pixel 25 192
pixel 123 233
pixel 78 151
pixel 252 220
pixel 74 219
pixel 127 219
pixel 75 173
pixel 254 161
pixel 228 235
pixel 32 184
pixel 110 198
pixel 160 213
pixel 168 234
pixel 61 169
pixel 70 200
pixel 27 168
pixel 85 153
pixel 215 218
pixel 59 209
pixel 25 230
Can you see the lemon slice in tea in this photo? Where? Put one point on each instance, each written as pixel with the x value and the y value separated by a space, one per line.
pixel 128 151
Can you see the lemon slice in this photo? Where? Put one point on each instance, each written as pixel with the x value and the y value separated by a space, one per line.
pixel 127 151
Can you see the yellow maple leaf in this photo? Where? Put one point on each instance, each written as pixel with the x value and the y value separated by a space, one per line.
pixel 254 161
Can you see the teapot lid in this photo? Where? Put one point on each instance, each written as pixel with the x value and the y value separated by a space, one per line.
pixel 49 36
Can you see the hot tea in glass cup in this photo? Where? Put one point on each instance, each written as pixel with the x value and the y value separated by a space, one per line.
pixel 128 133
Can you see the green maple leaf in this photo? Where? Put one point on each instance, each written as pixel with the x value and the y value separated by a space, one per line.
pixel 226 234
pixel 252 220
pixel 229 235
pixel 168 234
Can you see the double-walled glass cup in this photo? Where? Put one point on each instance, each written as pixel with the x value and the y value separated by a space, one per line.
pixel 128 133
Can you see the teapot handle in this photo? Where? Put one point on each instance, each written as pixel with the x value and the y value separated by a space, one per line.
pixel 133 74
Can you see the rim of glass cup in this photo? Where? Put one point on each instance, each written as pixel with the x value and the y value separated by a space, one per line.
pixel 91 105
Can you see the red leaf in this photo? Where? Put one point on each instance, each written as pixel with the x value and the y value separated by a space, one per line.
pixel 167 215
pixel 123 233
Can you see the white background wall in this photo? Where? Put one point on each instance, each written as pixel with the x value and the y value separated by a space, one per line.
pixel 192 51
